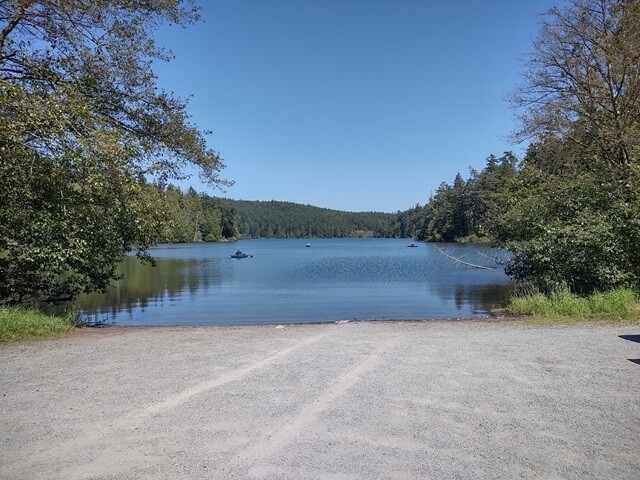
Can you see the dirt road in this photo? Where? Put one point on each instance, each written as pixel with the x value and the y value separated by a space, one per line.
pixel 441 400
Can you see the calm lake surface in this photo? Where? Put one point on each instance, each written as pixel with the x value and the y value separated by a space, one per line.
pixel 285 281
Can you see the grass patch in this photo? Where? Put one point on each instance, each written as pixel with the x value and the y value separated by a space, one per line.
pixel 618 304
pixel 27 324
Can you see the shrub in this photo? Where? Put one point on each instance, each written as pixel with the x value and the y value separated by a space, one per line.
pixel 561 303
pixel 25 324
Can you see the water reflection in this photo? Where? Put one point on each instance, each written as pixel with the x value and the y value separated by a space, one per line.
pixel 285 281
pixel 479 298
pixel 143 285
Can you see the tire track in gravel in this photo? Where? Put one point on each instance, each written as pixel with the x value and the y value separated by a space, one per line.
pixel 232 376
pixel 260 453
pixel 100 431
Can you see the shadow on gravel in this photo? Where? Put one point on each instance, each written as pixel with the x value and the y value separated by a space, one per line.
pixel 632 338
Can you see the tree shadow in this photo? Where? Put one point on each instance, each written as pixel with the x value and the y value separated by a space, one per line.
pixel 631 338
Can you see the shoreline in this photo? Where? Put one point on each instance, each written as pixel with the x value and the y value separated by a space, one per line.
pixel 500 318
pixel 514 320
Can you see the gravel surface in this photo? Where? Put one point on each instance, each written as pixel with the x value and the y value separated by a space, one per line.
pixel 440 400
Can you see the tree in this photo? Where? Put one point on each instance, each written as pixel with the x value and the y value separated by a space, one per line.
pixel 465 210
pixel 195 217
pixel 82 125
pixel 409 223
pixel 445 214
pixel 486 191
pixel 579 229
pixel 583 79
pixel 177 229
pixel 572 216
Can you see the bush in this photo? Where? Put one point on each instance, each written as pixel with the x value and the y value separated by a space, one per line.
pixel 619 303
pixel 25 324
pixel 561 303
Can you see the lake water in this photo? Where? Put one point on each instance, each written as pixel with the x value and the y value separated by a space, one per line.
pixel 284 281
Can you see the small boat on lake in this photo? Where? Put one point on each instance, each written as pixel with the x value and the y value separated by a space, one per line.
pixel 308 245
pixel 413 245
pixel 240 254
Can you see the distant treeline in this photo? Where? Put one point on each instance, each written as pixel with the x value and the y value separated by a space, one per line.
pixel 198 217
pixel 465 210
pixel 274 219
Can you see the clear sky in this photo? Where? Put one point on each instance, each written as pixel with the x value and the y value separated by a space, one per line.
pixel 351 104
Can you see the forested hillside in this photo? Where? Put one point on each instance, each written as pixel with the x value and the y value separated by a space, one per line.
pixel 198 217
pixel 465 211
pixel 291 220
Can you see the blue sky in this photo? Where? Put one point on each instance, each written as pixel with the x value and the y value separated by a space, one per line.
pixel 353 105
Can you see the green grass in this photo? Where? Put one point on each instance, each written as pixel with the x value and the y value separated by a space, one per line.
pixel 618 304
pixel 27 324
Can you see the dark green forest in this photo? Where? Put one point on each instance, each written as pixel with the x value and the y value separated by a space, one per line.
pixel 290 220
pixel 464 211
pixel 198 217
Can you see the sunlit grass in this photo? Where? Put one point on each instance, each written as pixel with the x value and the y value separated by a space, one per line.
pixel 618 304
pixel 27 324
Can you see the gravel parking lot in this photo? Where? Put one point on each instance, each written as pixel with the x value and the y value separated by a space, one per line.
pixel 397 400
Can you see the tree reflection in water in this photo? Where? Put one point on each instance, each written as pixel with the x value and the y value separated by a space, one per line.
pixel 143 285
pixel 199 284
pixel 482 298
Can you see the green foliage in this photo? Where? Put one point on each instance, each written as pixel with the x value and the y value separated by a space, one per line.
pixel 446 213
pixel 583 81
pixel 290 220
pixel 197 217
pixel 64 230
pixel 577 228
pixel 611 305
pixel 26 324
pixel 463 211
pixel 82 125
pixel 572 217
pixel 407 224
